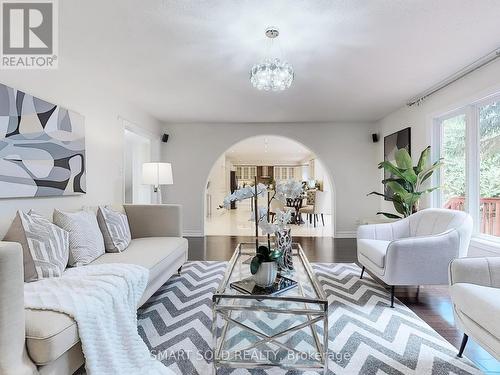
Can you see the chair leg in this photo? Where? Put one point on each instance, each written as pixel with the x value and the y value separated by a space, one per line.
pixel 392 296
pixel 362 272
pixel 179 271
pixel 322 219
pixel 462 346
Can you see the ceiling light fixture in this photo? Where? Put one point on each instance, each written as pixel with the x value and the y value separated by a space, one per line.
pixel 272 74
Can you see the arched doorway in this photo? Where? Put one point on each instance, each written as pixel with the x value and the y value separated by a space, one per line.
pixel 273 158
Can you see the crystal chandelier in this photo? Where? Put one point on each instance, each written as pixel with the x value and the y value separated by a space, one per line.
pixel 272 74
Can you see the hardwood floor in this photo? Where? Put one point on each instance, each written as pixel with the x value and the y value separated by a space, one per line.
pixel 432 303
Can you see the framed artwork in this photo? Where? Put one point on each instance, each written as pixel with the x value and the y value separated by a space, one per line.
pixel 42 147
pixel 392 143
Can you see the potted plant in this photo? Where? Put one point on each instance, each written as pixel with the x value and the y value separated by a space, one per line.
pixel 264 267
pixel 260 215
pixel 407 182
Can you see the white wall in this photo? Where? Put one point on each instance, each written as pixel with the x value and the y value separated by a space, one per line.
pixel 320 174
pixel 346 151
pixel 104 138
pixel 138 151
pixel 475 86
pixel 219 182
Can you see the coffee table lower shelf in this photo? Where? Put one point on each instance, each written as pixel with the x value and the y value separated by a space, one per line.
pixel 239 340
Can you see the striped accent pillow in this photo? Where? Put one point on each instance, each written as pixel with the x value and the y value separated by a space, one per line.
pixel 45 245
pixel 85 239
pixel 115 229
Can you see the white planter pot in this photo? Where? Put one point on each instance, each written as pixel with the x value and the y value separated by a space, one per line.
pixel 266 275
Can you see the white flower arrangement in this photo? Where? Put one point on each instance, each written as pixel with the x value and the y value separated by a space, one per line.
pixel 283 191
pixel 261 214
pixel 244 193
pixel 289 189
pixel 282 219
pixel 281 222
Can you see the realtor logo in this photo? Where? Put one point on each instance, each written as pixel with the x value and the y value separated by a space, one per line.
pixel 29 34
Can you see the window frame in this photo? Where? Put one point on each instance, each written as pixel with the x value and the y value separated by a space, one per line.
pixel 472 159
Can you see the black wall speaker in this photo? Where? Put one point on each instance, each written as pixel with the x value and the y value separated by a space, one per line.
pixel 164 138
pixel 375 137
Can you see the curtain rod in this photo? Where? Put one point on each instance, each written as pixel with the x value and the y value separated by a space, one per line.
pixel 455 77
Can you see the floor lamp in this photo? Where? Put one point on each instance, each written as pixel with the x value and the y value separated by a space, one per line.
pixel 157 174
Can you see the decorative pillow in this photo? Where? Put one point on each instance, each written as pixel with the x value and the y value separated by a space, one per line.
pixel 85 238
pixel 115 229
pixel 45 245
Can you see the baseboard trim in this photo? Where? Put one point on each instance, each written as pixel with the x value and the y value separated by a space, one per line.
pixel 345 234
pixel 192 233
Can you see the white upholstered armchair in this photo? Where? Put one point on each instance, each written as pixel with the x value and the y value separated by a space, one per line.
pixel 475 292
pixel 416 250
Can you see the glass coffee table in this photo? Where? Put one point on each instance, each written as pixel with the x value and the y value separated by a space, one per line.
pixel 289 330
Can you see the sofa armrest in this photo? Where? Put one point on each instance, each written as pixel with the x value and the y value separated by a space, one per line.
pixel 424 259
pixel 479 271
pixel 13 356
pixel 154 220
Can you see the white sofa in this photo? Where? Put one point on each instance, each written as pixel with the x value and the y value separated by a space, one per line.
pixel 475 293
pixel 415 250
pixel 47 342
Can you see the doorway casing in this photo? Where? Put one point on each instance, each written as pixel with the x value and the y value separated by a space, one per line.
pixel 328 175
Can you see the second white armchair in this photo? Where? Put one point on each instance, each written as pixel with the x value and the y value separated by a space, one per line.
pixel 416 250
pixel 475 292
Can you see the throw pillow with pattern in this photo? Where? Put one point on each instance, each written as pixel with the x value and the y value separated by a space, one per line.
pixel 45 245
pixel 85 238
pixel 115 229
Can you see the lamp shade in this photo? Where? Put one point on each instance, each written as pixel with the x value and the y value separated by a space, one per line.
pixel 157 174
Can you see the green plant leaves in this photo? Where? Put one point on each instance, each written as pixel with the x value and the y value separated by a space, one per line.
pixel 422 161
pixel 388 166
pixel 389 215
pixel 426 173
pixel 403 159
pixel 255 264
pixel 263 252
pixel 275 255
pixel 381 195
pixel 399 205
pixel 407 181
pixel 396 188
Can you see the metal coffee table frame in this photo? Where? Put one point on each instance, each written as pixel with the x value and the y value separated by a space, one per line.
pixel 236 302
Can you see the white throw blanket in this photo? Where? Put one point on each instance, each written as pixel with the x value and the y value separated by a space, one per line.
pixel 103 301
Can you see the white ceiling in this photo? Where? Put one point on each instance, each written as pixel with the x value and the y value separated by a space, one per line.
pixel 355 60
pixel 268 150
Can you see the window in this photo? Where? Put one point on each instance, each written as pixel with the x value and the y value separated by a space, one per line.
pixel 469 142
pixel 453 150
pixel 489 171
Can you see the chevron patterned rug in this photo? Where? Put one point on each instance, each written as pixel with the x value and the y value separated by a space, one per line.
pixel 365 335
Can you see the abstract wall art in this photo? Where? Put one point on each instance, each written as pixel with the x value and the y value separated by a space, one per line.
pixel 392 143
pixel 42 147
